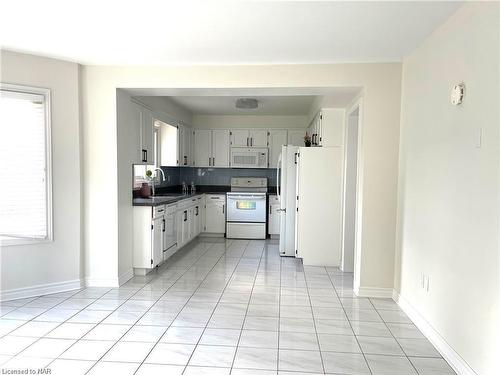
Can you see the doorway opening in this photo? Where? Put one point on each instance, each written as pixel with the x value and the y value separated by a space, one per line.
pixel 350 189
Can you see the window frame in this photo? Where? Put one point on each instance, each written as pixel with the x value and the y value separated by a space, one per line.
pixel 46 93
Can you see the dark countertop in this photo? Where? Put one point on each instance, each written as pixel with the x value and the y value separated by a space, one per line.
pixel 201 189
pixel 159 200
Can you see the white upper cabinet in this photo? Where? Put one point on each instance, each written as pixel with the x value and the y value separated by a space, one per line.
pixel 258 137
pixel 327 128
pixel 143 118
pixel 220 148
pixel 202 147
pixel 332 127
pixel 296 137
pixel 277 138
pixel 211 148
pixel 249 137
pixel 240 138
pixel 184 143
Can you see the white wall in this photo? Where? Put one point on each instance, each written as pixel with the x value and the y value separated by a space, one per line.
pixel 449 195
pixel 58 262
pixel 104 168
pixel 350 180
pixel 249 121
pixel 167 106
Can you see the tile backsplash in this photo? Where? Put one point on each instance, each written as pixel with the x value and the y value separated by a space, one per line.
pixel 213 176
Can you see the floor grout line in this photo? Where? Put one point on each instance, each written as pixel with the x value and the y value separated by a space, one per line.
pixel 349 321
pixel 201 269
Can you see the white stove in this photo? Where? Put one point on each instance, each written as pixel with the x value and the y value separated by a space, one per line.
pixel 246 208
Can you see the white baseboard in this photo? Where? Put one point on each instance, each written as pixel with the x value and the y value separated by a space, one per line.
pixel 212 235
pixel 126 276
pixel 449 354
pixel 93 282
pixel 374 292
pixel 40 290
pixel 112 282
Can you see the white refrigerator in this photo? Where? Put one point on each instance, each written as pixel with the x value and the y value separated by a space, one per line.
pixel 286 180
pixel 318 212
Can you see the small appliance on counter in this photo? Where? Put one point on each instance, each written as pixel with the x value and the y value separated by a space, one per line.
pixel 246 208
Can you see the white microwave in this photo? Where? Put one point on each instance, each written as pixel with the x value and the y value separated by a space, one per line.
pixel 255 157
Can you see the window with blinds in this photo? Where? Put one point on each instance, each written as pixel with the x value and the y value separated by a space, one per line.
pixel 25 179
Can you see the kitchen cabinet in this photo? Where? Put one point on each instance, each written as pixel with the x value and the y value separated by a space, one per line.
pixel 202 203
pixel 276 139
pixel 332 127
pixel 184 146
pixel 315 130
pixel 240 138
pixel 160 231
pixel 202 147
pixel 185 230
pixel 327 128
pixel 249 137
pixel 211 148
pixel 169 231
pixel 273 217
pixel 296 137
pixel 215 213
pixel 148 236
pixel 258 137
pixel 143 118
pixel 157 238
pixel 220 148
pixel 196 221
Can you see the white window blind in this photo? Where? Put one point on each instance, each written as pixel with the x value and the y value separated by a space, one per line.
pixel 25 197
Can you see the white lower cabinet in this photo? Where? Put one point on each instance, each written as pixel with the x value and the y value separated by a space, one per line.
pixel 169 231
pixel 149 226
pixel 215 213
pixel 273 217
pixel 161 231
pixel 157 239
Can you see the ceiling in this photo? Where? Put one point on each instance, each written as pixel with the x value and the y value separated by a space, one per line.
pixel 156 32
pixel 225 105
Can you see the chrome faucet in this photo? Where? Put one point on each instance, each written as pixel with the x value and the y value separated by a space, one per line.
pixel 162 179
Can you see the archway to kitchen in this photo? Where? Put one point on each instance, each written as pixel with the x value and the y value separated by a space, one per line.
pixel 197 133
pixel 110 149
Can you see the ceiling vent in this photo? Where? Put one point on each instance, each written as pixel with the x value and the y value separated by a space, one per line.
pixel 247 103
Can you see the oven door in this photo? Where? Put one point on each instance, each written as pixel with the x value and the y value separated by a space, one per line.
pixel 246 207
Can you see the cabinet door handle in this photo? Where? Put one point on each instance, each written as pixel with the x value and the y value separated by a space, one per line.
pixel 163 230
pixel 209 161
pixel 223 208
pixel 213 162
pixel 185 160
pixel 144 156
pixel 196 210
pixel 247 141
pixel 185 215
pixel 270 209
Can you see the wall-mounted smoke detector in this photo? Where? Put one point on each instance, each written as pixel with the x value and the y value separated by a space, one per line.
pixel 247 103
pixel 458 93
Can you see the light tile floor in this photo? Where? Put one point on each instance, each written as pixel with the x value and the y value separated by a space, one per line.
pixel 218 307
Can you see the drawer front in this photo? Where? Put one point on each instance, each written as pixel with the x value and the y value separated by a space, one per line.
pixel 158 211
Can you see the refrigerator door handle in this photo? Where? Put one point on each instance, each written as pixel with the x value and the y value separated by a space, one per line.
pixel 278 172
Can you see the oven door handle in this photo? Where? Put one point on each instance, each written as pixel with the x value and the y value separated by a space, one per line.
pixel 247 197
